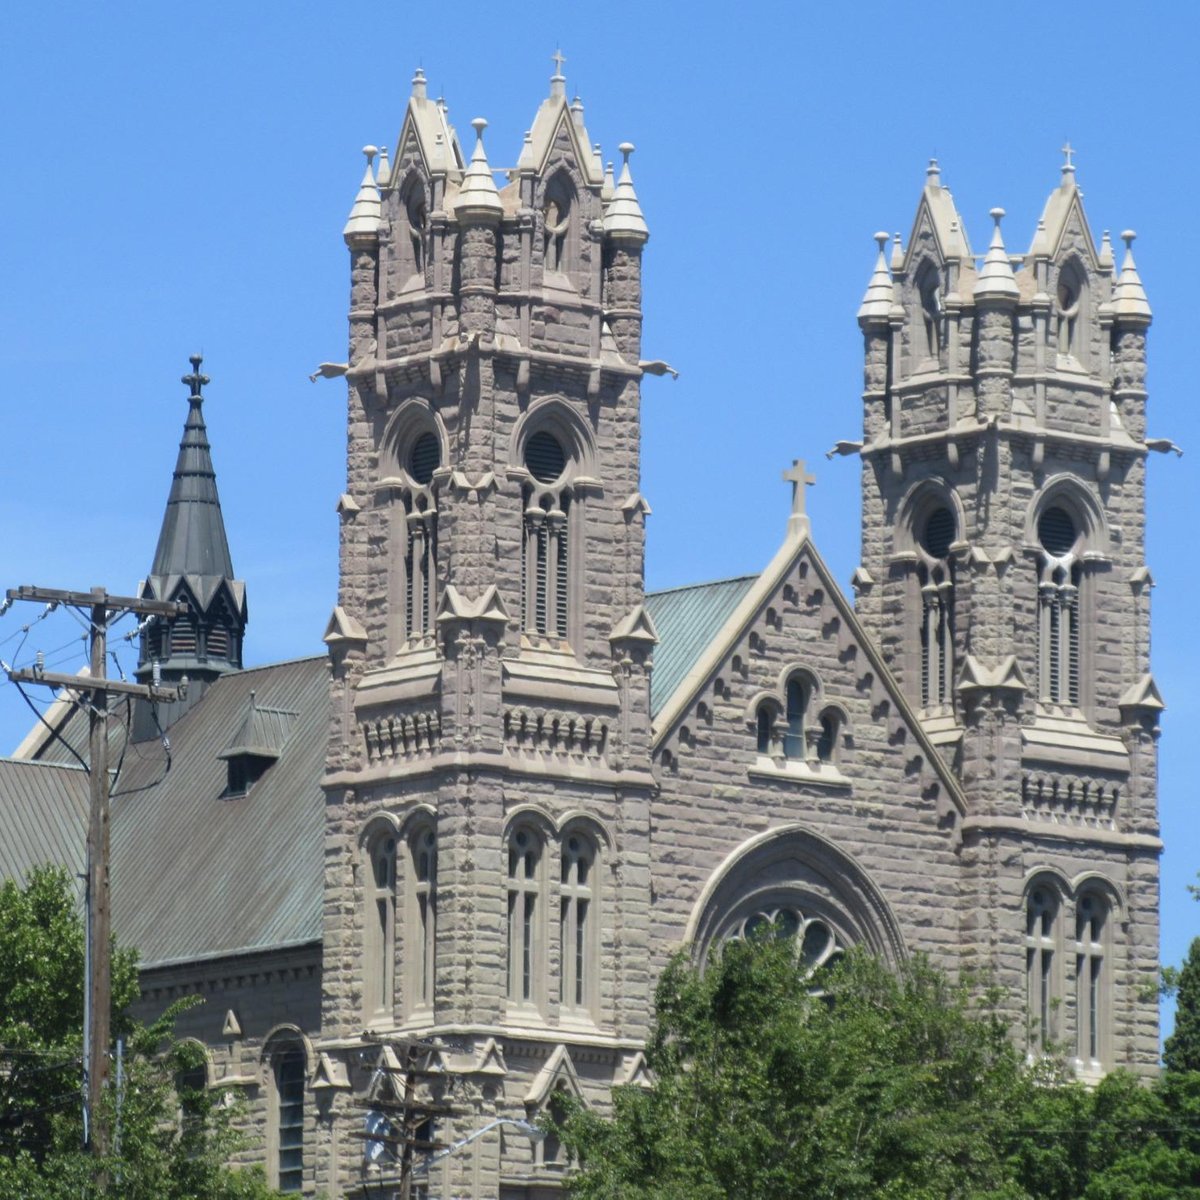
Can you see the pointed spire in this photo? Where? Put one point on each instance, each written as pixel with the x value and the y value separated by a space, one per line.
pixel 597 158
pixel 608 187
pixel 1105 260
pixel 1129 302
pixel 996 281
pixel 525 161
pixel 933 174
pixel 478 196
pixel 384 175
pixel 558 81
pixel 897 253
pixel 877 303
pixel 192 563
pixel 623 217
pixel 577 112
pixel 364 216
pixel 192 540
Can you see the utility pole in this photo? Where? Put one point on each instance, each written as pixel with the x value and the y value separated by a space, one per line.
pixel 101 609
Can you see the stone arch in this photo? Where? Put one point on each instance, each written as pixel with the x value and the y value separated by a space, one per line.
pixel 555 416
pixel 1094 881
pixel 792 862
pixel 560 223
pixel 1070 493
pixel 576 820
pixel 916 506
pixel 416 416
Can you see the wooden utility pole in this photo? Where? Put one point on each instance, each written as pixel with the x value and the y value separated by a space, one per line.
pixel 101 608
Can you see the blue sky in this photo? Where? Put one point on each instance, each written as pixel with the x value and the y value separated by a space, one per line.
pixel 176 178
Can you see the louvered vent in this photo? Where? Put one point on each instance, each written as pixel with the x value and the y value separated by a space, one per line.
pixel 545 457
pixel 425 458
pixel 183 638
pixel 1056 531
pixel 938 533
pixel 218 642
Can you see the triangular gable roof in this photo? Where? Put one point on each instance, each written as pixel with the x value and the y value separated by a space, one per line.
pixel 936 209
pixel 558 1068
pixel 796 545
pixel 1062 204
pixel 552 115
pixel 424 119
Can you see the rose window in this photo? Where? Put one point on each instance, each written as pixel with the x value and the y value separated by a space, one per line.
pixel 816 944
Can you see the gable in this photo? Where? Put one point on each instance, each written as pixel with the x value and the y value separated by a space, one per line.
pixel 795 617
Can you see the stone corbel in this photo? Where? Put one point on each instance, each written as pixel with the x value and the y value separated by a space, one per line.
pixel 862 581
pixel 347 507
pixel 523 376
pixel 593 383
pixel 636 505
pixel 474 490
pixel 343 631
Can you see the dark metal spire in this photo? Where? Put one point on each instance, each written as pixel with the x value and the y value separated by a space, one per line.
pixel 193 541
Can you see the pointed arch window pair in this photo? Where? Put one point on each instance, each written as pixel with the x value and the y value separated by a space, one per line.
pixel 1054 965
pixel 528 903
pixel 797 732
pixel 420 870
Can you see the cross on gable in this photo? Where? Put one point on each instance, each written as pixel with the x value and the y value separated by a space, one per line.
pixel 799 478
pixel 195 380
pixel 1068 150
pixel 558 58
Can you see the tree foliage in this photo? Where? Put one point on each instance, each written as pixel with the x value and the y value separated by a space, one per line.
pixel 866 1083
pixel 169 1143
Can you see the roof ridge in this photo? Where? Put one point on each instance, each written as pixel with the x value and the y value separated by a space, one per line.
pixel 41 762
pixel 283 662
pixel 684 587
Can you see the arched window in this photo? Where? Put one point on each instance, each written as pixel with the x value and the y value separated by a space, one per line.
pixel 936 533
pixel 525 917
pixel 288 1078
pixel 831 722
pixel 577 923
pixel 412 555
pixel 1091 979
pixel 1060 577
pixel 422 943
pixel 765 728
pixel 191 1087
pixel 553 1152
pixel 380 965
pixel 1042 909
pixel 411 249
pixel 559 219
pixel 796 697
pixel 547 556
pixel 817 945
pixel 1070 311
pixel 927 328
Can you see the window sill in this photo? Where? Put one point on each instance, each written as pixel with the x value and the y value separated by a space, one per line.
pixel 793 771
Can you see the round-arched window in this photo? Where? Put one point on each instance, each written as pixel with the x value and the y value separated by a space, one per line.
pixel 424 458
pixel 545 457
pixel 938 532
pixel 1056 531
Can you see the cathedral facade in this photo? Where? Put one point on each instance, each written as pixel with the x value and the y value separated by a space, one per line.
pixel 445 863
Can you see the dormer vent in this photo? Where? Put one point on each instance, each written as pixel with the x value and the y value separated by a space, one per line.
pixel 256 746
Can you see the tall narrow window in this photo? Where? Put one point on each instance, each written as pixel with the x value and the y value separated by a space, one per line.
pixel 381 928
pixel 797 702
pixel 1070 311
pixel 765 725
pixel 546 558
pixel 1058 607
pixel 575 924
pixel 935 576
pixel 524 915
pixel 927 333
pixel 1041 945
pixel 1091 915
pixel 414 542
pixel 289 1071
pixel 422 952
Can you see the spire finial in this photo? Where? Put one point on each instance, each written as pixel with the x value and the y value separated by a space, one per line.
pixel 626 149
pixel 195 381
pixel 418 84
pixel 558 81
pixel 997 215
pixel 933 173
pixel 882 239
pixel 1128 237
pixel 369 153
pixel 1068 167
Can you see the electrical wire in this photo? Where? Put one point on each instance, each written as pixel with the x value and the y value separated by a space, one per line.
pixel 54 732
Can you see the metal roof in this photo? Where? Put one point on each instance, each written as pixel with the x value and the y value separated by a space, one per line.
pixel 196 874
pixel 43 817
pixel 687 619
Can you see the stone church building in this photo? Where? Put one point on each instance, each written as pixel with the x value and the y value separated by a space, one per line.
pixel 468 837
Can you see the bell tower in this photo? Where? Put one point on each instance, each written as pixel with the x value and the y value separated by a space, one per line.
pixel 489 754
pixel 1003 569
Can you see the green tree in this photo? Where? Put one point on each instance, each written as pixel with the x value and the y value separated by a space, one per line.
pixel 156 1155
pixel 884 1084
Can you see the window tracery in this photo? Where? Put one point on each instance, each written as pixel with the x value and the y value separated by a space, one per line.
pixel 935 578
pixel 1070 311
pixel 546 560
pixel 1060 577
pixel 423 922
pixel 577 923
pixel 928 329
pixel 559 217
pixel 526 953
pixel 1043 909
pixel 817 945
pixel 414 534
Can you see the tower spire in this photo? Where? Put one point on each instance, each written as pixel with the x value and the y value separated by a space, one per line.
pixel 192 563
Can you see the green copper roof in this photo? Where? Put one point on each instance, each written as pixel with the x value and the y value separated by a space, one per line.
pixel 687 619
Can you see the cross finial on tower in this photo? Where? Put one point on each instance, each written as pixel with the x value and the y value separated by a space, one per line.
pixel 799 478
pixel 1068 164
pixel 558 58
pixel 558 81
pixel 195 380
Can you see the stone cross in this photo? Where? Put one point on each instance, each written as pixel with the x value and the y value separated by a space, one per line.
pixel 799 478
pixel 558 58
pixel 1067 152
pixel 195 380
